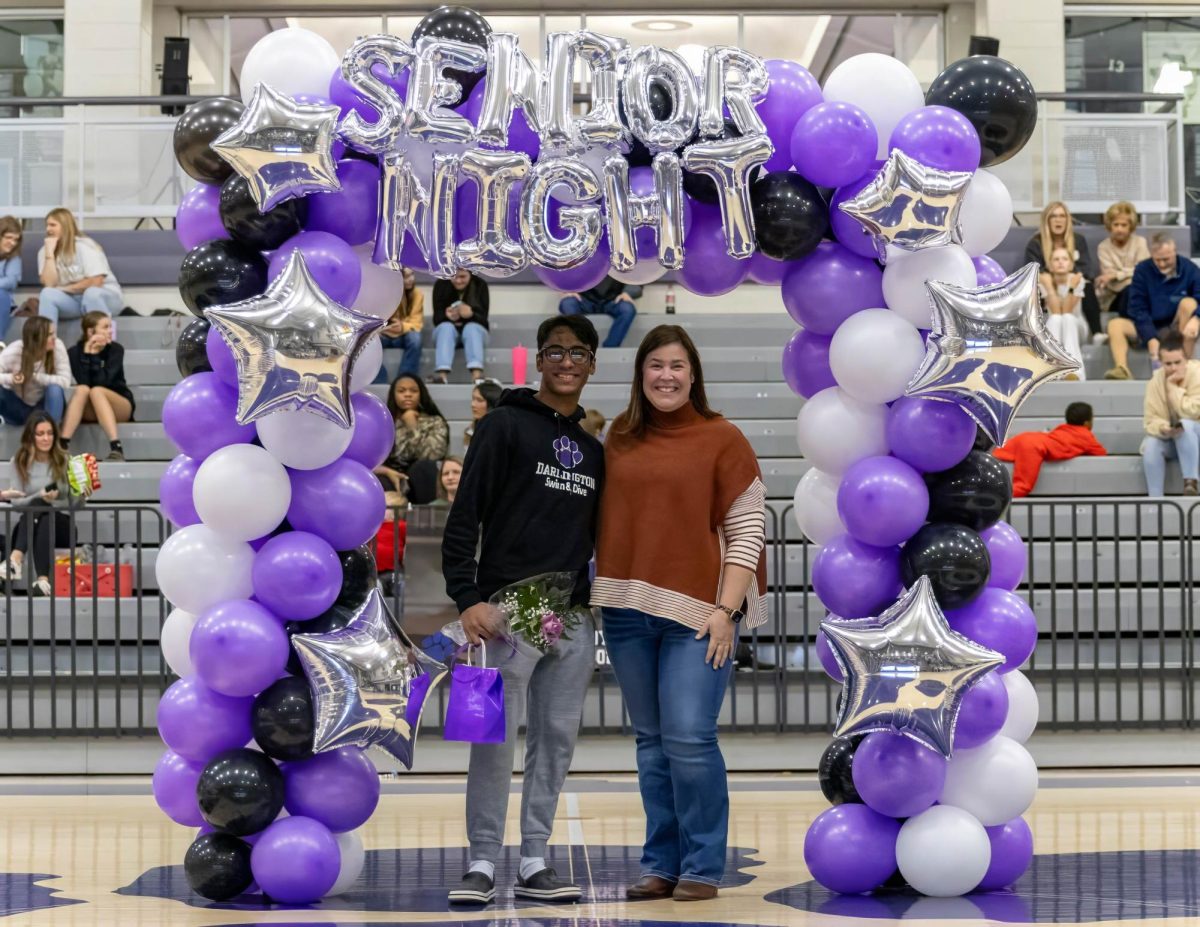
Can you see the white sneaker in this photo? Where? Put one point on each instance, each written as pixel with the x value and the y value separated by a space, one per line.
pixel 1100 338
pixel 8 571
pixel 42 587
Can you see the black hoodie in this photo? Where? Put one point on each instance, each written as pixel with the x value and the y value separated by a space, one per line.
pixel 532 482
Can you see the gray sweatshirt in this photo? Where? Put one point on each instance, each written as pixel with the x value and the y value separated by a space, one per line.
pixel 39 478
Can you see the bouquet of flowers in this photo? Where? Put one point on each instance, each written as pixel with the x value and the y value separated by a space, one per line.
pixel 539 609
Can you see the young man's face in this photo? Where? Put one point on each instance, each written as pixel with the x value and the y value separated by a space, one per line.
pixel 565 363
pixel 1172 362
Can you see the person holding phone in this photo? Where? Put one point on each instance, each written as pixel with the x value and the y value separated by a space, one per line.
pixel 460 317
pixel 1171 410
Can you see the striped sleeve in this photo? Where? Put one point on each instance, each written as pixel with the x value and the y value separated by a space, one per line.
pixel 745 527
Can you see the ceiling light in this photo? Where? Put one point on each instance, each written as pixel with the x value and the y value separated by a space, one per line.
pixel 662 25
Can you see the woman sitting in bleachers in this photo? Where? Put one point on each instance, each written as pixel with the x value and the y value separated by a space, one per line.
pixel 35 373
pixel 449 473
pixel 422 439
pixel 101 393
pixel 484 396
pixel 74 271
pixel 1062 291
pixel 1119 254
pixel 1058 231
pixel 10 269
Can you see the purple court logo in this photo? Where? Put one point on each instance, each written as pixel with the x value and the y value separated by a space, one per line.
pixel 567 453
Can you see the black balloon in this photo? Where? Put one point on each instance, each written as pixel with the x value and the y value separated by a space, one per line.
pixel 982 441
pixel 220 272
pixel 333 618
pixel 974 493
pixel 258 230
pixel 834 772
pixel 463 25
pixel 217 866
pixel 283 720
pixel 953 557
pixel 190 354
pixel 790 218
pixel 996 97
pixel 240 791
pixel 358 575
pixel 660 105
pixel 195 131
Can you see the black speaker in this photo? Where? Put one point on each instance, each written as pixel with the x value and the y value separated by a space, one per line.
pixel 174 72
pixel 980 45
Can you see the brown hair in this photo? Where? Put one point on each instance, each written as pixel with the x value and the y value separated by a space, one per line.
pixel 632 421
pixel 1123 209
pixel 441 487
pixel 593 422
pixel 89 323
pixel 10 226
pixel 1048 239
pixel 1161 240
pixel 70 231
pixel 37 345
pixel 27 451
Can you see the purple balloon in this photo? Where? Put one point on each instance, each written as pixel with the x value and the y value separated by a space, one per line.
pixel 238 648
pixel 199 416
pixel 174 787
pixel 579 278
pixel 520 136
pixel 882 501
pixel 897 776
pixel 982 712
pixel 175 491
pixel 198 723
pixel 220 357
pixel 297 575
pixel 851 849
pixel 929 435
pixel 834 144
pixel 806 363
pixel 856 580
pixel 938 137
pixel 1008 554
pixel 342 503
pixel 829 662
pixel 846 229
pixel 791 92
pixel 349 213
pixel 768 271
pixel 374 431
pixel 1000 621
pixel 339 788
pixel 343 95
pixel 708 269
pixel 987 271
pixel 198 218
pixel 828 286
pixel 296 860
pixel 332 263
pixel 1012 852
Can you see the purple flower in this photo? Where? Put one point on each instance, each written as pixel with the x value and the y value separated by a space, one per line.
pixel 567 452
pixel 552 628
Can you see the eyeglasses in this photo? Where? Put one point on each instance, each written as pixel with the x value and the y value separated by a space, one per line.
pixel 556 354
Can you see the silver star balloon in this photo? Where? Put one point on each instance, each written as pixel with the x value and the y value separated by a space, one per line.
pixel 910 205
pixel 284 149
pixel 989 350
pixel 369 682
pixel 906 671
pixel 295 347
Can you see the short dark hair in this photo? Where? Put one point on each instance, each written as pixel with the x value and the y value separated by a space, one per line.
pixel 579 325
pixel 1171 341
pixel 1079 413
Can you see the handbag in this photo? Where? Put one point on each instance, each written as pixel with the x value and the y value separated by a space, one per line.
pixel 475 709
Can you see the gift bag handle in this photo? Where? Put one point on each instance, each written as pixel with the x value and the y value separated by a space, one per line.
pixel 482 653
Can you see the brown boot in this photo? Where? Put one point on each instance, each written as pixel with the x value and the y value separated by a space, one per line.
pixel 649 886
pixel 1191 488
pixel 694 891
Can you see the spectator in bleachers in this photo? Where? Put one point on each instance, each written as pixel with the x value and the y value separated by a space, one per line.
pixel 484 396
pixel 1119 254
pixel 403 329
pixel 1171 408
pixel 422 434
pixel 1058 231
pixel 39 471
pixel 101 393
pixel 460 316
pixel 35 373
pixel 449 474
pixel 74 271
pixel 10 269
pixel 1030 449
pixel 1062 290
pixel 1162 297
pixel 593 423
pixel 614 299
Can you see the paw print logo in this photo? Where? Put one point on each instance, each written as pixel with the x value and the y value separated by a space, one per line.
pixel 567 453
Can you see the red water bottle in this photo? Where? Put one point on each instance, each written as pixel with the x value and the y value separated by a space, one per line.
pixel 520 357
pixel 669 299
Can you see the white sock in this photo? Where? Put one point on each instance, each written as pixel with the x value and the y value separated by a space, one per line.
pixel 482 865
pixel 531 865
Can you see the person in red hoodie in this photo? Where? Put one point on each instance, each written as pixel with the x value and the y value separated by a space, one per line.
pixel 1030 449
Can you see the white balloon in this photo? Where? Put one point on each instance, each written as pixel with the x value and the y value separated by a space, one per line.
pixel 242 492
pixel 197 568
pixel 881 86
pixel 381 289
pixel 815 505
pixel 301 440
pixel 995 781
pixel 174 638
pixel 943 852
pixel 986 214
pixel 874 354
pixel 835 430
pixel 647 270
pixel 1023 707
pixel 292 61
pixel 354 856
pixel 367 365
pixel 905 274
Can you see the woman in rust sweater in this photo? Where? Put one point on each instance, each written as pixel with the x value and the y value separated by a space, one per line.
pixel 679 564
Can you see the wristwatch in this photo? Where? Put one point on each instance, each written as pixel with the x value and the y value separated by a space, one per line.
pixel 735 614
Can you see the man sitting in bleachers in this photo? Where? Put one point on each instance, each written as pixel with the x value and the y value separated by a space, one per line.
pixel 1172 407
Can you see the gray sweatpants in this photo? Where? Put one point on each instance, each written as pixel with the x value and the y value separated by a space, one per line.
pixel 553 686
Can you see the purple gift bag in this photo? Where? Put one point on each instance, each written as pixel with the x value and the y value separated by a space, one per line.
pixel 475 711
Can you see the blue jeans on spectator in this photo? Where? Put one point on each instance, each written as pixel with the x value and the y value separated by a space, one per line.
pixel 446 337
pixel 621 310
pixel 1157 451
pixel 6 308
pixel 55 304
pixel 14 410
pixel 410 362
pixel 673 698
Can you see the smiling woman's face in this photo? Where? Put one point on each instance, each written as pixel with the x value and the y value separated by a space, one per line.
pixel 667 377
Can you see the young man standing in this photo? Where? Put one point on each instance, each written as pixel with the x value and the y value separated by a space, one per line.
pixel 531 483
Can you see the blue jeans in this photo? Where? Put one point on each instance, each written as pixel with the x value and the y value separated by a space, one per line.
pixel 410 362
pixel 1157 451
pixel 446 337
pixel 673 698
pixel 621 310
pixel 55 304
pixel 6 308
pixel 14 410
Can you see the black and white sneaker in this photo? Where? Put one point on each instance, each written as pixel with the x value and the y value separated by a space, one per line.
pixel 545 885
pixel 475 888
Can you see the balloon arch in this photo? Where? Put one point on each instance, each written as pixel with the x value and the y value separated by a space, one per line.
pixel 865 200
